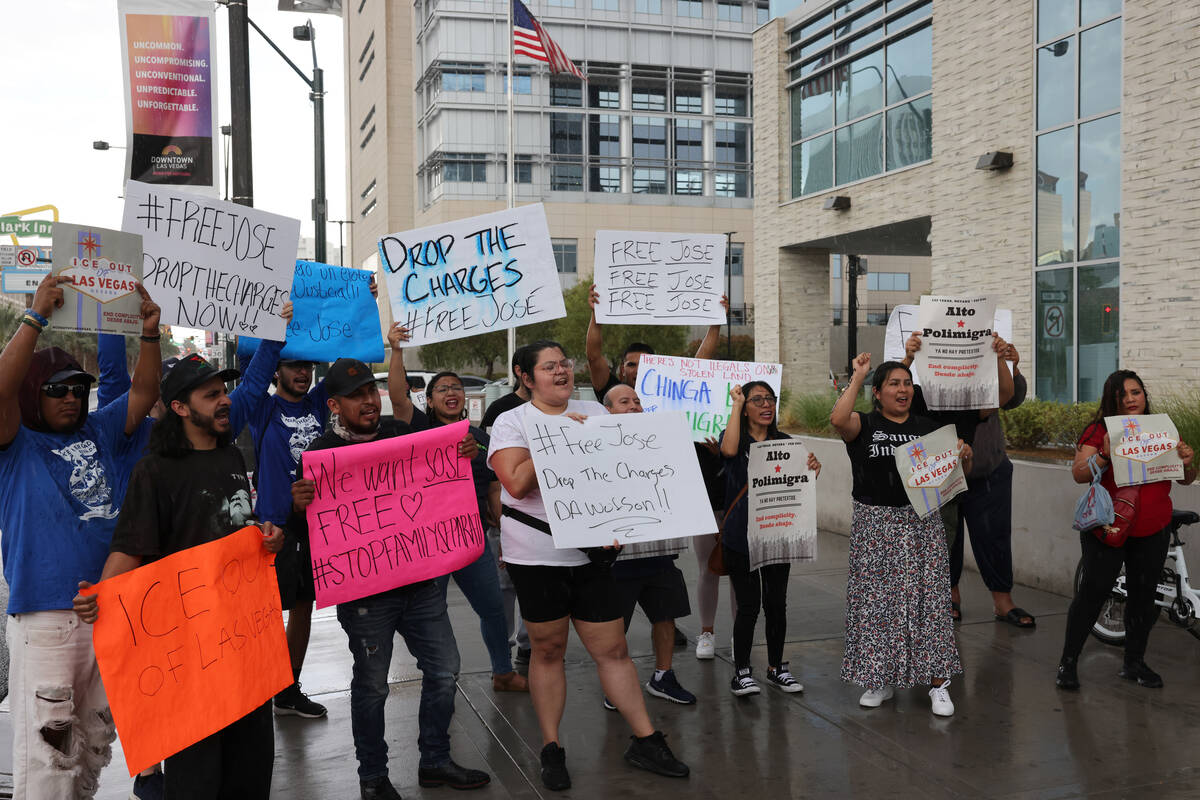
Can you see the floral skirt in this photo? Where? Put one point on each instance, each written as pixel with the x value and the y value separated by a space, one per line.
pixel 898 626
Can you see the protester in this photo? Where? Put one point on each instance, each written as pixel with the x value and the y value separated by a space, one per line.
pixel 189 490
pixel 560 587
pixel 479 580
pixel 1142 553
pixel 516 397
pixel 985 509
pixel 64 472
pixel 899 632
pixel 752 418
pixel 653 582
pixel 416 611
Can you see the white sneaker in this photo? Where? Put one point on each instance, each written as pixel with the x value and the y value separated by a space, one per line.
pixel 873 698
pixel 939 697
pixel 705 647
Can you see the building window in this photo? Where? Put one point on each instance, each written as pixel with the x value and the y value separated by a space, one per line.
pixel 370 135
pixel 566 256
pixel 688 99
pixel 368 208
pixel 566 134
pixel 865 72
pixel 566 93
pixel 648 6
pixel 649 180
pixel 1077 190
pixel 689 142
pixel 689 8
pixel 464 168
pixel 649 95
pixel 606 5
pixel 737 259
pixel 762 14
pixel 731 102
pixel 604 135
pixel 650 137
pixel 603 95
pixel 522 168
pixel 689 181
pixel 605 179
pixel 367 191
pixel 729 12
pixel 463 78
pixel 566 177
pixel 522 84
pixel 887 281
pixel 561 3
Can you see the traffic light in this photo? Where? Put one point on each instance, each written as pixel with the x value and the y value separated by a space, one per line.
pixel 1106 318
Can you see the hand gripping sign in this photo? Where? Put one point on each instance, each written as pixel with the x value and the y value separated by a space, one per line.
pixel 931 470
pixel 1145 449
pixel 190 644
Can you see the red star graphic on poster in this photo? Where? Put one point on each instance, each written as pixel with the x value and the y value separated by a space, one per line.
pixel 90 242
pixel 961 323
pixel 778 468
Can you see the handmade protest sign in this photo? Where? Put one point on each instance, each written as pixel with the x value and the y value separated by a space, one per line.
pixel 333 315
pixel 210 264
pixel 956 362
pixel 104 267
pixel 1144 449
pixel 659 278
pixel 473 275
pixel 903 321
pixel 698 387
pixel 782 497
pixel 189 644
pixel 390 512
pixel 627 477
pixel 931 469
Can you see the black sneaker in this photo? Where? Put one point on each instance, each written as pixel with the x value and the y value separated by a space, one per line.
pixel 292 702
pixel 1068 677
pixel 782 679
pixel 743 683
pixel 651 753
pixel 554 768
pixel 668 688
pixel 1136 670
pixel 378 789
pixel 452 775
pixel 148 787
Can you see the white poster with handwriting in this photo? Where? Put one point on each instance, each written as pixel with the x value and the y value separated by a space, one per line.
pixel 472 276
pixel 659 278
pixel 699 387
pixel 956 361
pixel 931 469
pixel 211 264
pixel 782 497
pixel 1144 449
pixel 623 477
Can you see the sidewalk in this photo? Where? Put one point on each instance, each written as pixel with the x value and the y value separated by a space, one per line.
pixel 1013 736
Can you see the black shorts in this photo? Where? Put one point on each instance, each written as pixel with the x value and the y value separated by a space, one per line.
pixel 662 595
pixel 586 593
pixel 293 569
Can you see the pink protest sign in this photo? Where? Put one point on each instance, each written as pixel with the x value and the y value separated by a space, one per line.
pixel 390 512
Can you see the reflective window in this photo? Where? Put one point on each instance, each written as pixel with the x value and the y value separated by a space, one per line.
pixel 606 5
pixel 910 133
pixel 1055 335
pixel 648 6
pixel 604 135
pixel 649 96
pixel 737 258
pixel 603 95
pixel 732 142
pixel 1095 10
pixel 605 179
pixel 566 256
pixel 731 102
pixel 816 106
pixel 566 177
pixel 860 150
pixel 731 184
pixel 1100 188
pixel 910 66
pixel 858 87
pixel 522 84
pixel 860 23
pixel 464 168
pixel 689 8
pixel 1100 69
pixel 816 45
pixel 649 137
pixel 463 81
pixel 566 134
pixel 689 141
pixel 687 100
pixel 1055 17
pixel 816 165
pixel 1056 83
pixel 762 14
pixel 730 12
pixel 1099 327
pixel 566 93
pixel 649 180
pixel 1055 233
pixel 689 181
pixel 904 20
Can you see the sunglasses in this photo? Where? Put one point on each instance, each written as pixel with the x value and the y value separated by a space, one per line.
pixel 57 390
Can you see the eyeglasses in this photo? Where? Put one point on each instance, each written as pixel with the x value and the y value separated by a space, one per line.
pixel 554 366
pixel 57 390
pixel 761 400
pixel 442 388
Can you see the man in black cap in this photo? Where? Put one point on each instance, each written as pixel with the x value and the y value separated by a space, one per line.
pixel 417 612
pixel 189 490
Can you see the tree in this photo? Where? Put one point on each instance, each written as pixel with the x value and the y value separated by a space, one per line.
pixel 457 354
pixel 743 348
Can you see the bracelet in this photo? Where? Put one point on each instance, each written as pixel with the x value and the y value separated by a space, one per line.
pixel 38 318
pixel 31 323
pixel 152 339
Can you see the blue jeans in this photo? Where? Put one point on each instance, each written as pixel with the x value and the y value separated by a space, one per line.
pixel 480 583
pixel 417 613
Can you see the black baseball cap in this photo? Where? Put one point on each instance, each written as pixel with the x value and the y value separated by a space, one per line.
pixel 70 373
pixel 346 375
pixel 188 373
pixel 296 362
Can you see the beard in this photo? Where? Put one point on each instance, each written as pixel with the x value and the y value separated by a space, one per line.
pixel 216 425
pixel 360 427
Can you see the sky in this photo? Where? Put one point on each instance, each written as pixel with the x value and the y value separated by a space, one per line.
pixel 63 89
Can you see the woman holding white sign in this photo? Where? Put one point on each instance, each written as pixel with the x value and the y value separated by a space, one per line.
pixel 1143 550
pixel 557 588
pixel 899 633
pixel 752 419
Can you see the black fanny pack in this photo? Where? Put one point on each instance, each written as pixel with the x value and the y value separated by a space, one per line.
pixel 604 556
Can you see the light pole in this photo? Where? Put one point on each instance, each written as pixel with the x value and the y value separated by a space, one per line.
pixel 316 86
pixel 100 144
pixel 341 241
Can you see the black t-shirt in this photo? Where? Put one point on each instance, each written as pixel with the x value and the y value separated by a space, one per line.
pixel 965 422
pixel 498 407
pixel 737 506
pixel 603 390
pixel 176 503
pixel 876 481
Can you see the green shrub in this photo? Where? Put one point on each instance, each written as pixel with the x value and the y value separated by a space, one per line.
pixel 809 412
pixel 1184 410
pixel 1044 423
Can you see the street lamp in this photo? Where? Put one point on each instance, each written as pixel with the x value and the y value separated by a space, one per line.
pixel 341 241
pixel 100 144
pixel 316 85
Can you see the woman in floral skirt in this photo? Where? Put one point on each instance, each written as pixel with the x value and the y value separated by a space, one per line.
pixel 899 632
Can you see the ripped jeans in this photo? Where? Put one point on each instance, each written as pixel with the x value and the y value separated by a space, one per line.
pixel 418 614
pixel 62 728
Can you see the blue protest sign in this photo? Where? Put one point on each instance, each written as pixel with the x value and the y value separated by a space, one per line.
pixel 333 315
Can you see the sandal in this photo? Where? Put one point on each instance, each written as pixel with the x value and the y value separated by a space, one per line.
pixel 955 611
pixel 1016 617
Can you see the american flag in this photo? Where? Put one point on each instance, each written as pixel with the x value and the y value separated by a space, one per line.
pixel 530 39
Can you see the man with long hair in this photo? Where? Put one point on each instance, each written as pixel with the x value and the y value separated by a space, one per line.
pixel 189 490
pixel 64 472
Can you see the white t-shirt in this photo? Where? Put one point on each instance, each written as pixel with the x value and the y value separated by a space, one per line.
pixel 522 544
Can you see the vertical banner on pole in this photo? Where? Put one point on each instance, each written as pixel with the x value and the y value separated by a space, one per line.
pixel 168 48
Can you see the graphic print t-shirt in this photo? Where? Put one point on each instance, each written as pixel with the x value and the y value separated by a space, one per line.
pixel 876 481
pixel 61 497
pixel 177 503
pixel 283 430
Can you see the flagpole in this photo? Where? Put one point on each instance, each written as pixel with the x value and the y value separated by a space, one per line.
pixel 511 178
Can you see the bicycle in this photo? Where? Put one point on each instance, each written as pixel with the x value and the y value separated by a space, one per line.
pixel 1174 592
